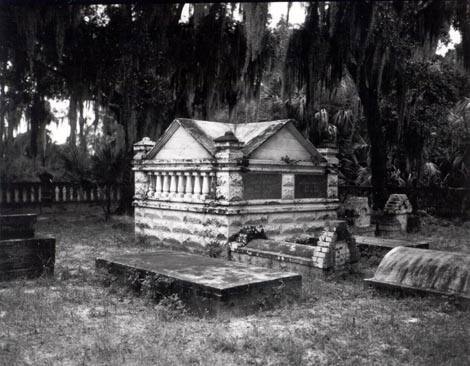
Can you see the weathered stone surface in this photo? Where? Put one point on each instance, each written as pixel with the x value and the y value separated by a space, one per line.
pixel 31 257
pixel 17 226
pixel 335 250
pixel 433 271
pixel 207 284
pixel 373 246
pixel 398 204
pixel 224 176
pixel 356 210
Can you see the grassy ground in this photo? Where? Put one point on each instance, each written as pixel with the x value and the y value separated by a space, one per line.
pixel 74 319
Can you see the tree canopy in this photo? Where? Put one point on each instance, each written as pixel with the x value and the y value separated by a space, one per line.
pixel 141 66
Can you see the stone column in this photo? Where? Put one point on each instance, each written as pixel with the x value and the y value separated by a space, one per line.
pixel 188 191
pixel 158 184
pixel 151 184
pixel 166 184
pixel 229 185
pixel 205 185
pixel 172 184
pixel 331 155
pixel 180 186
pixel 141 186
pixel 197 185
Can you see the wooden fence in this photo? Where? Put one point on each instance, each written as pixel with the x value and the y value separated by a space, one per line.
pixel 30 193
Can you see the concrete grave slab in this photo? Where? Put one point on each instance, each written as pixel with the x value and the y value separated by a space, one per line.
pixel 208 285
pixel 371 245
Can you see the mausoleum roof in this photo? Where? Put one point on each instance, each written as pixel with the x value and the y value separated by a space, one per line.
pixel 251 135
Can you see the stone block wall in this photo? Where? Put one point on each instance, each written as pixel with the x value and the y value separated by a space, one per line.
pixel 193 230
pixel 184 230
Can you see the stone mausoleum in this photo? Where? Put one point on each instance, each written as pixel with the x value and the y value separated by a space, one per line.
pixel 202 181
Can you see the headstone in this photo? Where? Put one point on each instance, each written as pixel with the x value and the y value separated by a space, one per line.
pixel 22 254
pixel 395 216
pixel 356 211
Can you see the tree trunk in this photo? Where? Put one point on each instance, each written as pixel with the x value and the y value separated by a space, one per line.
pixel 72 115
pixel 81 131
pixel 378 157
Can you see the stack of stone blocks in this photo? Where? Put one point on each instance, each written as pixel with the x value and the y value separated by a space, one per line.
pixel 335 248
pixel 203 181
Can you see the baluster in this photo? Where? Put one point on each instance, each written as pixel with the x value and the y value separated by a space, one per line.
pixel 151 184
pixel 17 195
pixel 39 194
pixel 64 193
pixel 205 185
pixel 118 193
pixel 197 184
pixel 166 184
pixel 8 195
pixel 31 192
pixel 56 192
pixel 92 193
pixel 188 191
pixel 1 195
pixel 172 183
pixel 158 184
pixel 180 186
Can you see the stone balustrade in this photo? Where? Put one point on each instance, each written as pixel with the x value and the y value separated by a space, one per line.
pixel 27 193
pixel 180 185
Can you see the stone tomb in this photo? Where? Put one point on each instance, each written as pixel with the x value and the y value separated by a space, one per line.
pixel 334 251
pixel 21 253
pixel 202 181
pixel 356 211
pixel 207 285
pixel 395 216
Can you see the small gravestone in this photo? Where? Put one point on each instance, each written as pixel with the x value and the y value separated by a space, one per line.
pixel 356 211
pixel 395 217
pixel 21 253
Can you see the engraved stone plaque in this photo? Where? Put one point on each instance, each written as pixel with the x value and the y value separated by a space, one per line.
pixel 262 186
pixel 310 186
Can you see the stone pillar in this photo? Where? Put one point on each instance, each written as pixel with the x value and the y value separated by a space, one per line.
pixel 331 155
pixel 141 185
pixel 158 184
pixel 229 186
pixel 188 191
pixel 172 183
pixel 151 184
pixel 205 185
pixel 197 185
pixel 166 184
pixel 288 186
pixel 180 186
pixel 141 148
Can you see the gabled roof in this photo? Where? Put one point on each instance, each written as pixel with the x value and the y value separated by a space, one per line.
pixel 252 135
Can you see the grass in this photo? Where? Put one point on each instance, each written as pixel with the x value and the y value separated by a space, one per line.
pixel 76 319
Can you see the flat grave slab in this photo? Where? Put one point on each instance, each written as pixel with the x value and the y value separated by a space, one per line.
pixel 208 285
pixel 30 258
pixel 372 245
